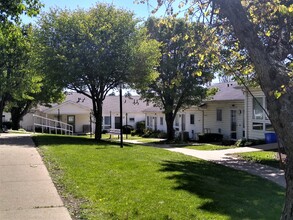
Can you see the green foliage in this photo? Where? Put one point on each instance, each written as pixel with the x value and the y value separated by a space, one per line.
pixel 210 137
pixel 94 51
pixel 148 133
pixel 185 65
pixel 11 10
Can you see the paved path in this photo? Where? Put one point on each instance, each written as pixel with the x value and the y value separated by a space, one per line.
pixel 26 189
pixel 223 157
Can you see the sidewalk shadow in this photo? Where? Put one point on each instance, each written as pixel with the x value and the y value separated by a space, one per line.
pixel 220 185
pixel 16 141
pixel 71 140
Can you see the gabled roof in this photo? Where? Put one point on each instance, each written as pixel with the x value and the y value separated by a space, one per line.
pixel 226 92
pixel 111 103
pixel 229 91
pixel 54 107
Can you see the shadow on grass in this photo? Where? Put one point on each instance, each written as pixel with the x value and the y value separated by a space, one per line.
pixel 227 191
pixel 72 140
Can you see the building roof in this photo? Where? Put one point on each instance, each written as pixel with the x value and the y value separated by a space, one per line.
pixel 226 92
pixel 229 91
pixel 133 104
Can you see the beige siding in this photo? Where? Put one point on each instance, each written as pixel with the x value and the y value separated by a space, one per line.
pixel 224 127
pixel 254 134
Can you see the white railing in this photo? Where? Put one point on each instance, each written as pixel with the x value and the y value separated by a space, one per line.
pixel 51 126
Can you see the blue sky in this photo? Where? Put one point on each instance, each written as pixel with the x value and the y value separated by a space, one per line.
pixel 140 10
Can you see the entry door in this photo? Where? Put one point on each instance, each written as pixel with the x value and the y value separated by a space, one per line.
pixel 233 124
pixel 183 122
pixel 156 123
pixel 117 123
pixel 71 121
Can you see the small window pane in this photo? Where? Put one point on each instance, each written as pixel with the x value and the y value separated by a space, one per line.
pixel 269 127
pixel 219 114
pixel 257 109
pixel 107 120
pixel 177 120
pixel 257 126
pixel 161 121
pixel 192 119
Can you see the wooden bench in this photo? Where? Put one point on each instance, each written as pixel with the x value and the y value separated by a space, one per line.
pixel 113 131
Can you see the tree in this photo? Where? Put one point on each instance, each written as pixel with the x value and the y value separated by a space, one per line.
pixel 14 46
pixel 264 30
pixel 12 10
pixel 183 68
pixel 15 70
pixel 41 87
pixel 95 51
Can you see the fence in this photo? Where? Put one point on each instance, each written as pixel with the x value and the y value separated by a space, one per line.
pixel 46 125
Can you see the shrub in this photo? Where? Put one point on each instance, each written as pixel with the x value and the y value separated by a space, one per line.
pixel 7 124
pixel 250 142
pixel 140 127
pixel 210 137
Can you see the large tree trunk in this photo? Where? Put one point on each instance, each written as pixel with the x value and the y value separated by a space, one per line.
pixel 2 104
pixel 18 112
pixel 170 129
pixel 272 75
pixel 15 117
pixel 97 110
pixel 3 101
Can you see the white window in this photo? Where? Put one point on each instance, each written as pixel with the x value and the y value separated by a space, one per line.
pixel 161 121
pixel 219 114
pixel 177 120
pixel 131 119
pixel 260 121
pixel 107 120
pixel 258 112
pixel 192 119
pixel 148 121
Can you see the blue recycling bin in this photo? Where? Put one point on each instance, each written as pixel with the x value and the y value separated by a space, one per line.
pixel 270 138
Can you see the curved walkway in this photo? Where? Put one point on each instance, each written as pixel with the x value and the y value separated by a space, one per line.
pixel 225 158
pixel 26 189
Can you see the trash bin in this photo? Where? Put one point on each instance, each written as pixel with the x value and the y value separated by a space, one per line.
pixel 270 138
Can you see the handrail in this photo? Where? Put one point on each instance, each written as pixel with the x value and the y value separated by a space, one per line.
pixel 50 124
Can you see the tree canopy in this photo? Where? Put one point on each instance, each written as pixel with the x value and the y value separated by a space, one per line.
pixel 184 68
pixel 262 30
pixel 94 51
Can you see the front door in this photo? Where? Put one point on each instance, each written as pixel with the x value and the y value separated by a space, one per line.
pixel 233 124
pixel 117 123
pixel 71 121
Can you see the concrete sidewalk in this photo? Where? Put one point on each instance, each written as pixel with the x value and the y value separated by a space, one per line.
pixel 26 189
pixel 225 158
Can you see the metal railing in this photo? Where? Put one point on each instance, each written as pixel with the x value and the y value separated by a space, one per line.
pixel 51 126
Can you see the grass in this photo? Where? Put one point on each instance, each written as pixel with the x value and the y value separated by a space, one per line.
pixel 130 137
pixel 268 158
pixel 139 182
pixel 208 147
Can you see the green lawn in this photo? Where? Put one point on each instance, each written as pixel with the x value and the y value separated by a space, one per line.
pixel 139 182
pixel 208 147
pixel 130 137
pixel 263 157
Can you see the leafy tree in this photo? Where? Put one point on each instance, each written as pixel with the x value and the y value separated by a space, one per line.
pixel 14 46
pixel 41 89
pixel 94 51
pixel 18 79
pixel 263 30
pixel 183 68
pixel 12 10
